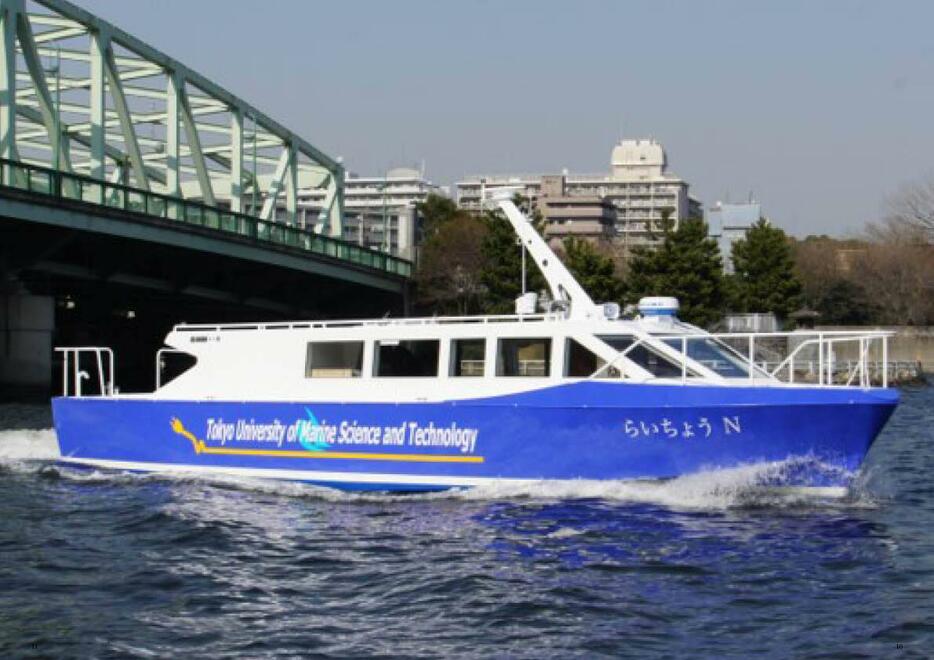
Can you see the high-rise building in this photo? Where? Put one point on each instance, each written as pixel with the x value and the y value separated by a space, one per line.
pixel 727 223
pixel 589 217
pixel 379 211
pixel 639 186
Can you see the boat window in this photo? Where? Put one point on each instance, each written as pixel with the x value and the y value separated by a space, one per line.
pixel 656 364
pixel 411 358
pixel 468 357
pixel 334 359
pixel 523 357
pixel 712 355
pixel 581 362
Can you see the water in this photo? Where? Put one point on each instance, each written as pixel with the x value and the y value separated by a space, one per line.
pixel 112 565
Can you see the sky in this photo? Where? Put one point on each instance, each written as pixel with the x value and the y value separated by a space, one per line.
pixel 819 110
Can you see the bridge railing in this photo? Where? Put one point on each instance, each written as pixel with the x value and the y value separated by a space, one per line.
pixel 76 187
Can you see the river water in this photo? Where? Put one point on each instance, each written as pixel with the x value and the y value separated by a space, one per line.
pixel 113 565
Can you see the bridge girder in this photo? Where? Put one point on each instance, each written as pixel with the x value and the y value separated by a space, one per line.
pixel 112 107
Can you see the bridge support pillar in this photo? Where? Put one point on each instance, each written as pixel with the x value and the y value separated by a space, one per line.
pixel 26 326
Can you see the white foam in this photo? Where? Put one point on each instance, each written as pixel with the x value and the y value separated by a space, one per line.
pixel 28 445
pixel 744 486
pixel 716 489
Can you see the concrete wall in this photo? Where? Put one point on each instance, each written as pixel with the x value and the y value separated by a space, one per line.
pixel 910 344
pixel 26 326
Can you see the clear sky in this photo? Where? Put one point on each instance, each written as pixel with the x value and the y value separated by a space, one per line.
pixel 819 109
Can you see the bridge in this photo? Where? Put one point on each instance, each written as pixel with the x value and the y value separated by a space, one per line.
pixel 136 193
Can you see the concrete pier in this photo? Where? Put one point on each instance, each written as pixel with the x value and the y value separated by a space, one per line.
pixel 26 326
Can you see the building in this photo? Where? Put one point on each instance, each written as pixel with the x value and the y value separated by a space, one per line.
pixel 379 212
pixel 728 223
pixel 588 217
pixel 638 185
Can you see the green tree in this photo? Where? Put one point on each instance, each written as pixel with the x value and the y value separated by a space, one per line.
pixel 434 212
pixel 592 270
pixel 845 303
pixel 687 266
pixel 764 278
pixel 449 271
pixel 501 274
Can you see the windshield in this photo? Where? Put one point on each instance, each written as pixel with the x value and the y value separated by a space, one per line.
pixel 655 363
pixel 713 355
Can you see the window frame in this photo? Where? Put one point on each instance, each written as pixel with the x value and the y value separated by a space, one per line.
pixel 377 344
pixel 308 358
pixel 452 357
pixel 686 372
pixel 611 373
pixel 549 356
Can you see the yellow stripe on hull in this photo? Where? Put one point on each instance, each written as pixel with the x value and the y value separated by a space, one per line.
pixel 201 448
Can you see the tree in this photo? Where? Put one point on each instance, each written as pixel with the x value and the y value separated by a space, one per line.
pixel 449 270
pixel 845 303
pixel 593 271
pixel 821 263
pixel 501 274
pixel 687 265
pixel 764 277
pixel 899 280
pixel 912 207
pixel 435 211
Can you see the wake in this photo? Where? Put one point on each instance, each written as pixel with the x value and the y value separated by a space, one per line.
pixel 28 445
pixel 747 486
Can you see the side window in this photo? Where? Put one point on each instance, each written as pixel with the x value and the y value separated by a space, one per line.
pixel 334 359
pixel 580 362
pixel 523 357
pixel 656 364
pixel 468 357
pixel 412 358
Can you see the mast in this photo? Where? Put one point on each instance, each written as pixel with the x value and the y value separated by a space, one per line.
pixel 562 284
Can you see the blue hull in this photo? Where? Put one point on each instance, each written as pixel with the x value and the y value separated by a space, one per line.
pixel 585 430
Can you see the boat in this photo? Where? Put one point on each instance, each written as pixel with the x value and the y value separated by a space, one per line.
pixel 564 389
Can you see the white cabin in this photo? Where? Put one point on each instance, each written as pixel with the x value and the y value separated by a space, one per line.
pixel 432 359
pixel 453 358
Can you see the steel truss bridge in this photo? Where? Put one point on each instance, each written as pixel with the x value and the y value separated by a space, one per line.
pixel 80 95
pixel 122 167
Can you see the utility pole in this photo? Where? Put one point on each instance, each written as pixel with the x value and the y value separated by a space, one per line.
pixel 523 266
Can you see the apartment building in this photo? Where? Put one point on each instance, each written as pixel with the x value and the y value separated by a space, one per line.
pixel 589 217
pixel 639 186
pixel 379 211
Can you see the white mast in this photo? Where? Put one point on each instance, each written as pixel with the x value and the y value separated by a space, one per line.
pixel 562 284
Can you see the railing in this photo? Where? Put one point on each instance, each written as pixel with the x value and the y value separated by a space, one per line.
pixel 844 370
pixel 808 357
pixel 73 374
pixel 76 187
pixel 412 321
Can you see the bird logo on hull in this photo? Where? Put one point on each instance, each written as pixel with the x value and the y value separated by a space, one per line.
pixel 311 433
